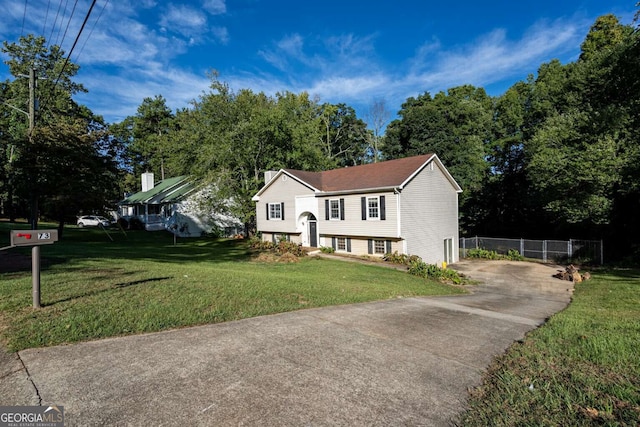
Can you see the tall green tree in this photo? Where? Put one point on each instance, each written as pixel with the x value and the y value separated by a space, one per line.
pixel 146 134
pixel 344 137
pixel 230 139
pixel 604 36
pixel 457 126
pixel 37 157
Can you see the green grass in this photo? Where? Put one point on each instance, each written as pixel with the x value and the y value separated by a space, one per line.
pixel 94 288
pixel 583 365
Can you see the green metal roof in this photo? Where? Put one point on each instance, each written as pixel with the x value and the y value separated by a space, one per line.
pixel 170 190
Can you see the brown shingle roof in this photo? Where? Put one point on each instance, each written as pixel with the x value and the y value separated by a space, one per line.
pixel 391 173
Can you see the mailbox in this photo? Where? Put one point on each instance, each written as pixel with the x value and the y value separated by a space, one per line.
pixel 33 237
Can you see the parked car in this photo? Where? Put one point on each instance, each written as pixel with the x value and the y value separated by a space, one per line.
pixel 93 221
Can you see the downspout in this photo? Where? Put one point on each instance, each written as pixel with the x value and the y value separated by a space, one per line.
pixel 396 191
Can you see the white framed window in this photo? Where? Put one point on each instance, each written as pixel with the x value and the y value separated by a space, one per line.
pixel 341 243
pixel 275 211
pixel 373 208
pixel 379 247
pixel 334 209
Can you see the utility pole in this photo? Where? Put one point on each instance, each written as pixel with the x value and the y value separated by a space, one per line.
pixel 31 114
pixel 32 125
pixel 35 250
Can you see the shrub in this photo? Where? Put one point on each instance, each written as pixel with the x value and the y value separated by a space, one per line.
pixel 482 253
pixel 402 259
pixel 512 255
pixel 282 247
pixel 286 247
pixel 327 249
pixel 432 271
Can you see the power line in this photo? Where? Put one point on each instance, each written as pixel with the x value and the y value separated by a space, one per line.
pixel 91 32
pixel 86 18
pixel 46 16
pixel 66 62
pixel 24 17
pixel 55 22
pixel 68 23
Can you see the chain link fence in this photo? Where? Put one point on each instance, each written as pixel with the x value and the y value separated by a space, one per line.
pixel 545 250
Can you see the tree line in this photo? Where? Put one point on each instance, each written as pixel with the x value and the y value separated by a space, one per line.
pixel 556 155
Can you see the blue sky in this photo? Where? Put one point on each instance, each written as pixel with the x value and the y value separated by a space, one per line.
pixel 353 52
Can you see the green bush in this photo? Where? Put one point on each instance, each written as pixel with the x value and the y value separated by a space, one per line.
pixel 286 247
pixel 432 271
pixel 327 249
pixel 402 259
pixel 512 255
pixel 482 253
pixel 282 247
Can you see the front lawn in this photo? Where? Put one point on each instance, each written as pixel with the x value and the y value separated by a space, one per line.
pixel 93 287
pixel 581 368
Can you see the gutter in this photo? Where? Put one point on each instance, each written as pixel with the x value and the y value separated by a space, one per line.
pixel 394 189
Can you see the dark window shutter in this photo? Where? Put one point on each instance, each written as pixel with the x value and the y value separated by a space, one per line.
pixel 267 211
pixel 326 209
pixel 370 246
pixel 342 209
pixel 282 211
pixel 348 244
pixel 334 244
pixel 383 211
pixel 388 243
pixel 363 205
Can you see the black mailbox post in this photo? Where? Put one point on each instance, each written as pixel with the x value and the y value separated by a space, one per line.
pixel 34 238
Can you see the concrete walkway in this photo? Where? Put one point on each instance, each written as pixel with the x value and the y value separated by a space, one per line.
pixel 405 361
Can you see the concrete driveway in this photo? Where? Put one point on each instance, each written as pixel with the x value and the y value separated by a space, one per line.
pixel 405 361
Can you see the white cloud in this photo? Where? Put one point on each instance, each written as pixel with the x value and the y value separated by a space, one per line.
pixel 346 68
pixel 184 20
pixel 116 96
pixel 492 57
pixel 348 87
pixel 331 55
pixel 221 34
pixel 215 7
pixel 284 50
pixel 351 68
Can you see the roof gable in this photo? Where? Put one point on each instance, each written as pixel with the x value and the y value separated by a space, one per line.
pixel 169 190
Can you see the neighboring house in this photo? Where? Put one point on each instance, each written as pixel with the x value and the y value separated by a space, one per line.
pixel 407 205
pixel 173 204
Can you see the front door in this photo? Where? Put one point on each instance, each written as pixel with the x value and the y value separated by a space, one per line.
pixel 313 234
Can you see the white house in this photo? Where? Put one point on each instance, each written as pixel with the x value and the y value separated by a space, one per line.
pixel 173 204
pixel 407 205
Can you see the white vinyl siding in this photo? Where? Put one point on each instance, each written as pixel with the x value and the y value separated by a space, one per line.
pixel 429 207
pixel 285 192
pixel 354 226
